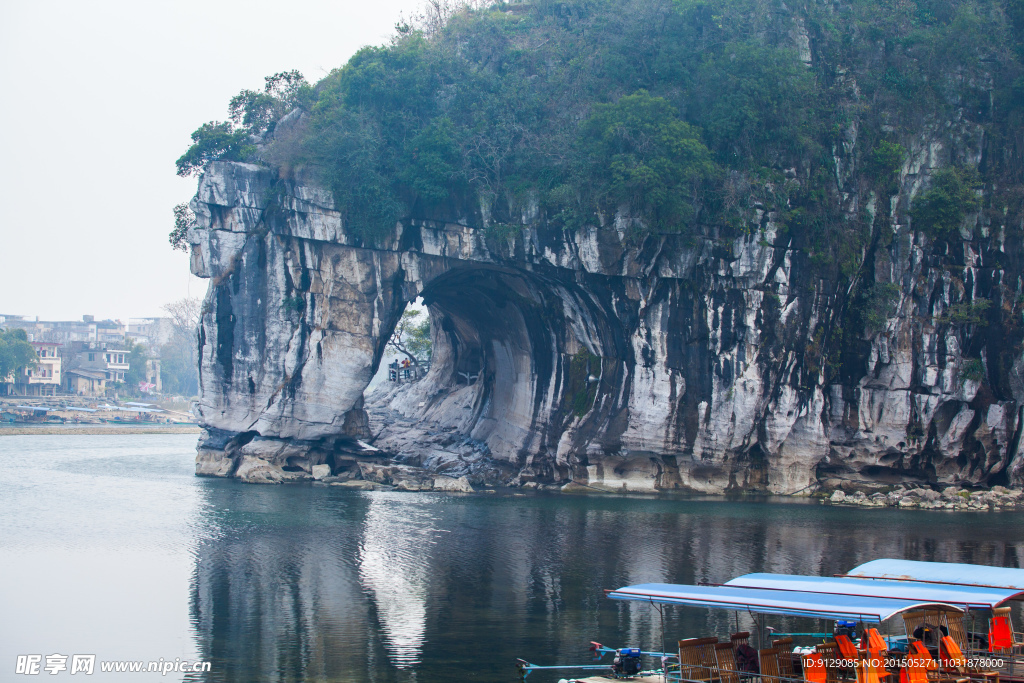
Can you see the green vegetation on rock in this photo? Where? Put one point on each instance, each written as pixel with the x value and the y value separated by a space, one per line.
pixel 678 115
pixel 879 305
pixel 953 194
pixel 183 220
pixel 215 140
pixel 967 313
pixel 973 369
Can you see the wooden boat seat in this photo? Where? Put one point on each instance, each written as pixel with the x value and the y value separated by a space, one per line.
pixel 847 650
pixel 768 660
pixel 874 643
pixel 741 638
pixel 917 649
pixel 954 623
pixel 927 626
pixel 785 648
pixel 697 659
pixel 706 652
pixel 915 670
pixel 728 671
pixel 912 621
pixel 829 651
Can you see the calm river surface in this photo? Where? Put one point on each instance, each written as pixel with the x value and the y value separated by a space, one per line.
pixel 110 546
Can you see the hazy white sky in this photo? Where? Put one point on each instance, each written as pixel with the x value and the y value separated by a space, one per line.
pixel 100 97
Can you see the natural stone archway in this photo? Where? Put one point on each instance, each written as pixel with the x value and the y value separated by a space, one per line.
pixel 522 364
pixel 663 362
pixel 291 386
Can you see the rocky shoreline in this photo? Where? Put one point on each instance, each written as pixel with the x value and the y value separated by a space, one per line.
pixel 409 452
pixel 360 475
pixel 950 498
pixel 386 475
pixel 464 462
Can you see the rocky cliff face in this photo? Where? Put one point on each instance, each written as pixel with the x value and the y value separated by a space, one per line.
pixel 603 358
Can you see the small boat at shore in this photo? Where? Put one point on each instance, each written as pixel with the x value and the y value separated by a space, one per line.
pixel 938 606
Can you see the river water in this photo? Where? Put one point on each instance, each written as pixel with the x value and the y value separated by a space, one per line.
pixel 110 546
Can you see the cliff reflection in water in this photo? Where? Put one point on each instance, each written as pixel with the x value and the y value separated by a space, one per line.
pixel 394 559
pixel 300 583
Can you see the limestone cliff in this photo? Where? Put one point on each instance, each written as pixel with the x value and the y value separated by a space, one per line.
pixel 604 358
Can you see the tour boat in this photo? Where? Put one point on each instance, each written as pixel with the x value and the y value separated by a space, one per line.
pixel 933 600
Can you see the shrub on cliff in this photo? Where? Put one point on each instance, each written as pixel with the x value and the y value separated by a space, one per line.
pixel 879 304
pixel 214 140
pixel 641 155
pixel 184 220
pixel 258 112
pixel 252 114
pixel 941 210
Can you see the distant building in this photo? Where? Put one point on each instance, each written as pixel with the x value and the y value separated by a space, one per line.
pixel 91 366
pixel 44 378
pixel 41 379
pixel 85 382
pixel 151 332
pixel 111 331
pixel 88 329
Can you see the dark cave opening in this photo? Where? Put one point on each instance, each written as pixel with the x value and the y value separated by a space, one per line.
pixel 504 344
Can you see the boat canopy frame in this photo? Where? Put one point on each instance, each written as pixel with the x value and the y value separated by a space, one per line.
pixel 783 603
pixel 965 597
pixel 944 573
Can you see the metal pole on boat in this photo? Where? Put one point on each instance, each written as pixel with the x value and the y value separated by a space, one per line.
pixel 664 662
pixel 661 645
pixel 664 666
pixel 974 632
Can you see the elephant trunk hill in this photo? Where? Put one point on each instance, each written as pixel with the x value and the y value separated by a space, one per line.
pixel 778 251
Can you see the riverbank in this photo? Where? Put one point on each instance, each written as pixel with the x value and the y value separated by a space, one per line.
pixel 950 498
pixel 383 474
pixel 99 429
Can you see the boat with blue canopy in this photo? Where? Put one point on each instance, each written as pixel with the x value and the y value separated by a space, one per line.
pixel 791 603
pixel 931 603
